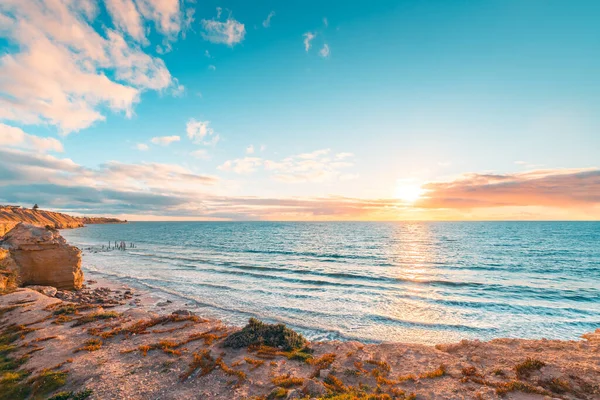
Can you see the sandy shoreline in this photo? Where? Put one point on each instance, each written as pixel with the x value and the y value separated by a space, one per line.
pixel 115 360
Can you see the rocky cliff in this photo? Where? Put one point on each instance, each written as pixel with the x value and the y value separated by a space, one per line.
pixel 41 256
pixel 12 215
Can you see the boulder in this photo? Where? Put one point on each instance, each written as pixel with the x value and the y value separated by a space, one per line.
pixel 49 291
pixel 43 257
pixel 314 388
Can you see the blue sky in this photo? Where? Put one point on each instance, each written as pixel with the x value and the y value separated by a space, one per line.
pixel 394 101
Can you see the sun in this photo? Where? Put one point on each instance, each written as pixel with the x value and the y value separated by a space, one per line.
pixel 408 193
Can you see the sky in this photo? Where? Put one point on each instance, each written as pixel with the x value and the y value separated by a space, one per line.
pixel 312 110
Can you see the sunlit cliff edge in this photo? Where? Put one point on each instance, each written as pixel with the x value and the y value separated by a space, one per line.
pixel 12 215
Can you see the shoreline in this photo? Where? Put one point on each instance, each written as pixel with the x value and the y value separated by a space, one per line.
pixel 152 363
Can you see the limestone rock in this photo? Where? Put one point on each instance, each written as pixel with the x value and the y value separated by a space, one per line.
pixel 8 270
pixel 314 388
pixel 43 257
pixel 49 291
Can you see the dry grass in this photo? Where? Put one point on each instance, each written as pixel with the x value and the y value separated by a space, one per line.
pixel 201 359
pixel 254 363
pixel 514 386
pixel 380 365
pixel 525 368
pixel 97 316
pixel 230 371
pixel 90 345
pixel 287 381
pixel 141 327
pixel 436 373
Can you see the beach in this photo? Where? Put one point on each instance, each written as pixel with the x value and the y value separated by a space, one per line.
pixel 130 344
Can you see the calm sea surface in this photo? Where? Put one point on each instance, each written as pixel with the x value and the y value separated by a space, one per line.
pixel 413 282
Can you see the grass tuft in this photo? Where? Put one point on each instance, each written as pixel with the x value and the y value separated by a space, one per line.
pixel 259 333
pixel 525 368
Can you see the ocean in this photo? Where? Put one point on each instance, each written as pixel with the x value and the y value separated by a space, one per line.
pixel 420 282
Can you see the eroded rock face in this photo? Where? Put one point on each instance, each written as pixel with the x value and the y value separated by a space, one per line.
pixel 43 257
pixel 8 270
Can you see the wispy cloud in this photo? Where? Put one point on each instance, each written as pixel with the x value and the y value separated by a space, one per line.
pixel 308 37
pixel 142 147
pixel 198 131
pixel 228 32
pixel 65 71
pixel 267 22
pixel 250 149
pixel 165 140
pixel 563 188
pixel 324 52
pixel 244 165
pixel 316 166
pixel 11 136
pixel 201 154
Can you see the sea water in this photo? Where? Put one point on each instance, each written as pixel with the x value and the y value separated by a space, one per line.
pixel 424 282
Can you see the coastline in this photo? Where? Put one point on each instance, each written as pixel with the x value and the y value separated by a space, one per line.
pixel 154 362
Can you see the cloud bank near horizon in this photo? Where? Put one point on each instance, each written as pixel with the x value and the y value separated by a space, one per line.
pixel 171 191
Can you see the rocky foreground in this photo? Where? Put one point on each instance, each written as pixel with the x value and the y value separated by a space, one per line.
pixel 102 343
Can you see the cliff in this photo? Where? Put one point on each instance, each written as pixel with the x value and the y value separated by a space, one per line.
pixel 40 256
pixel 10 216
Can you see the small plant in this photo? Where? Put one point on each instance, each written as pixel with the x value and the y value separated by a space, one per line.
pixel 84 394
pixel 47 382
pixel 520 386
pixel 90 345
pixel 470 371
pixel 335 384
pixel 62 396
pixel 287 381
pixel 277 393
pixel 255 363
pixel 525 368
pixel 230 371
pixel 557 385
pixel 382 365
pixel 96 317
pixel 439 372
pixel 259 333
pixel 203 360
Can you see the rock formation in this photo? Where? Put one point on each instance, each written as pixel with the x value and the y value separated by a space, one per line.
pixel 12 215
pixel 8 270
pixel 43 257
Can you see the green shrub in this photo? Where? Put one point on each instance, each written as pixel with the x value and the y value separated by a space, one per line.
pixel 259 333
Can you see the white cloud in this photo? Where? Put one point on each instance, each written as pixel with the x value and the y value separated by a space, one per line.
pixel 201 154
pixel 315 166
pixel 341 156
pixel 212 67
pixel 63 72
pixel 165 140
pixel 142 147
pixel 229 32
pixel 12 136
pixel 245 165
pixel 250 149
pixel 308 37
pixel 325 22
pixel 207 54
pixel 127 18
pixel 267 22
pixel 197 131
pixel 324 52
pixel 263 147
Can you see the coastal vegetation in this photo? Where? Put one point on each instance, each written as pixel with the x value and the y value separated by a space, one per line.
pixel 272 361
pixel 260 333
